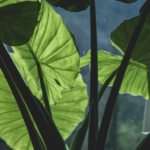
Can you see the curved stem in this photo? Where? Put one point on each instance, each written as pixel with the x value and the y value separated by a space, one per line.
pixel 43 89
pixel 80 135
pixel 36 140
pixel 117 83
pixel 38 115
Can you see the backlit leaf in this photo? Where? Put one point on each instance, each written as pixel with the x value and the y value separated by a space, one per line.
pixel 53 47
pixel 66 114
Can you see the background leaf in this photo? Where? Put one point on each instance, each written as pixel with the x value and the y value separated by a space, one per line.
pixel 136 78
pixel 71 5
pixel 147 22
pixel 17 20
pixel 53 47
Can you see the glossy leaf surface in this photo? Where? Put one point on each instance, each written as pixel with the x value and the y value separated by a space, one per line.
pixel 53 47
pixel 18 19
pixel 136 78
pixel 71 5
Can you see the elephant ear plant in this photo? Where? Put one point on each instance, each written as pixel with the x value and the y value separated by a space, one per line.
pixel 42 94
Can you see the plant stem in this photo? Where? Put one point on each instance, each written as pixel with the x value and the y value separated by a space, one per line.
pixel 41 81
pixel 80 135
pixel 51 122
pixel 93 124
pixel 36 140
pixel 144 144
pixel 36 112
pixel 117 83
pixel 43 89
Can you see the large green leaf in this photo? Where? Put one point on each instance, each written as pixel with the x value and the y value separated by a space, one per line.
pixel 12 126
pixel 136 78
pixel 53 47
pixel 71 5
pixel 120 38
pixel 66 114
pixel 69 111
pixel 18 19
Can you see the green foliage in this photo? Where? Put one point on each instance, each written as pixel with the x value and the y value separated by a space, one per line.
pixel 56 54
pixel 71 5
pixel 45 46
pixel 136 78
pixel 18 20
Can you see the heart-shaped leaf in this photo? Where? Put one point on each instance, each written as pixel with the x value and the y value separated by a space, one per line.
pixel 17 20
pixel 71 5
pixel 53 47
pixel 66 114
pixel 136 78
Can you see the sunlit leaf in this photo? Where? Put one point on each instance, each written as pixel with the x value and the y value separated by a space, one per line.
pixel 18 19
pixel 69 111
pixel 66 114
pixel 12 126
pixel 53 47
pixel 136 78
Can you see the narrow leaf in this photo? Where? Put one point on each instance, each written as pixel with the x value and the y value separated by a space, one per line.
pixel 80 135
pixel 13 127
pixel 144 144
pixel 117 83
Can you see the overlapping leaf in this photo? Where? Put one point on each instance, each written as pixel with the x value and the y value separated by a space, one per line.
pixel 136 78
pixel 18 19
pixel 147 22
pixel 66 114
pixel 53 47
pixel 12 126
pixel 71 5
pixel 69 111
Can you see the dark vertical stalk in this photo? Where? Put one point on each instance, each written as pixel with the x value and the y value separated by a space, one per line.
pixel 36 140
pixel 93 124
pixel 41 81
pixel 36 112
pixel 47 105
pixel 117 83
pixel 80 135
pixel 51 122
